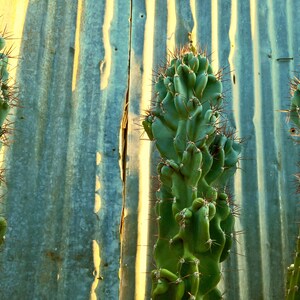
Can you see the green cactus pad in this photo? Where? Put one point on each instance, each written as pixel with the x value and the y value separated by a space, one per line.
pixel 194 218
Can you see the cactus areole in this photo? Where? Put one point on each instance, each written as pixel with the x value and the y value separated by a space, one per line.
pixel 198 155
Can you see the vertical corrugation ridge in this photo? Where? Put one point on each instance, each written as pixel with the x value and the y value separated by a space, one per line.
pixel 163 44
pixel 184 22
pixel 113 99
pixel 280 73
pixel 289 222
pixel 248 195
pixel 215 6
pixel 260 133
pixel 224 32
pixel 123 150
pixel 106 63
pixel 171 25
pixel 138 17
pixel 78 215
pixel 50 182
pixel 290 163
pixel 203 15
pixel 239 248
pixel 32 179
pixel 281 26
pixel 144 180
pixel 195 21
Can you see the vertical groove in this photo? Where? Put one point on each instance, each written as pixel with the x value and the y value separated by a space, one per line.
pixel 129 230
pixel 289 224
pixel 281 27
pixel 76 44
pixel 160 53
pixel 238 190
pixel 144 154
pixel 194 15
pixel 258 121
pixel 171 25
pixel 215 35
pixel 106 29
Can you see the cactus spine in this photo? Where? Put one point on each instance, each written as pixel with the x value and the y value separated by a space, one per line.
pixel 293 272
pixel 198 155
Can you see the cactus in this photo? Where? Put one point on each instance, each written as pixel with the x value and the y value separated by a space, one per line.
pixel 293 275
pixel 198 156
pixel 4 97
pixel 7 100
pixel 293 271
pixel 294 110
pixel 3 226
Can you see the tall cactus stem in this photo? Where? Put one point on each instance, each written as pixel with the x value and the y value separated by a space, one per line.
pixel 194 217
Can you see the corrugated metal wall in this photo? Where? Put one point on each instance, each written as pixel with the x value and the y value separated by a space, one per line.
pixel 78 173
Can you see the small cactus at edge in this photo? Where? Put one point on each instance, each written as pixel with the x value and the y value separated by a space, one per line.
pixel 3 227
pixel 198 156
pixel 293 275
pixel 293 272
pixel 4 97
pixel 7 100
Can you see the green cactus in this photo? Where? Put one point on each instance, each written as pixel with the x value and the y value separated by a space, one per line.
pixel 294 116
pixel 5 90
pixel 293 275
pixel 293 271
pixel 198 155
pixel 3 227
pixel 6 101
pixel 294 111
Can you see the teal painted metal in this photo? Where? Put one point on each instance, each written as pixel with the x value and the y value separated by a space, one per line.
pixel 52 169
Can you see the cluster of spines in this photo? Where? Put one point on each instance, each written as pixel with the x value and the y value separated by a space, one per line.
pixel 195 220
pixel 293 271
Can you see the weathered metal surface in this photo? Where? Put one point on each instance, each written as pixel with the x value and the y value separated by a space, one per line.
pixel 73 82
pixel 78 173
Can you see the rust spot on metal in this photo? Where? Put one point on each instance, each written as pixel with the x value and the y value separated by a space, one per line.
pixel 53 256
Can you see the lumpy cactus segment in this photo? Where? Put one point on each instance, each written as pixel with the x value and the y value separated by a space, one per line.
pixel 198 155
